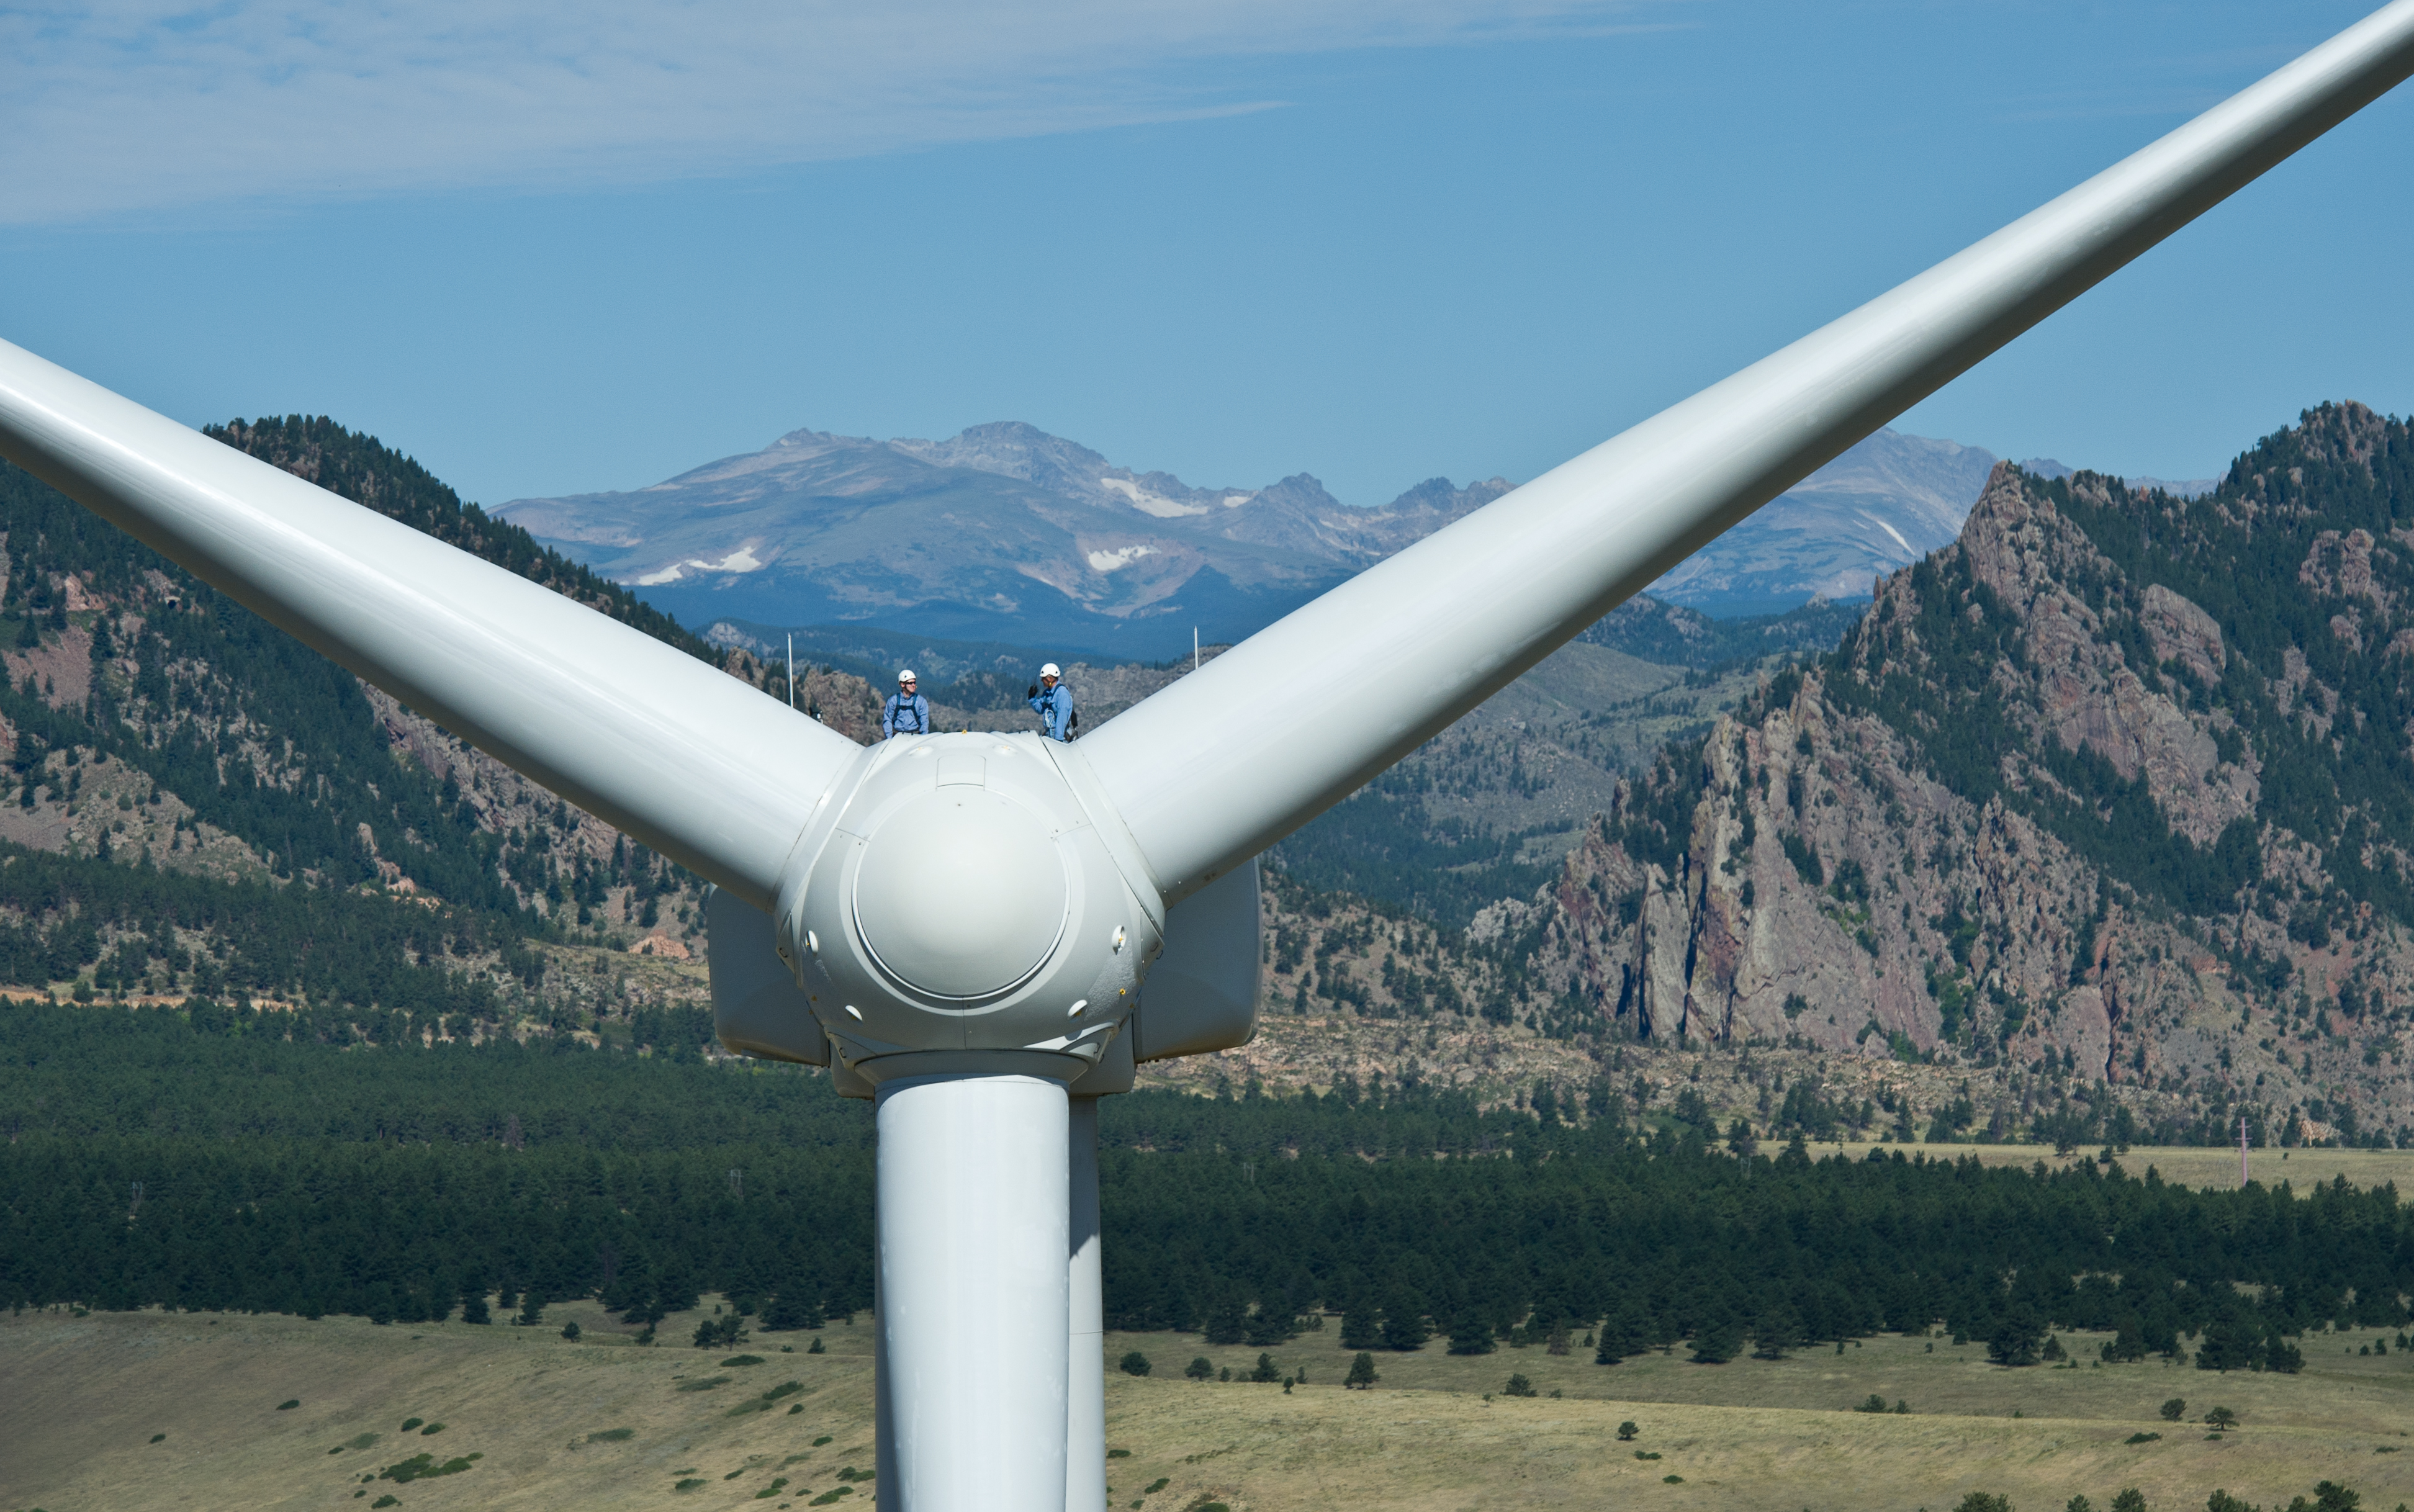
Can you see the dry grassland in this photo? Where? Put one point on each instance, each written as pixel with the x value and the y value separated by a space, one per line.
pixel 2186 1165
pixel 83 1396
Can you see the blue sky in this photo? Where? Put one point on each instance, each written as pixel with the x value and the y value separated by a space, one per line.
pixel 1377 242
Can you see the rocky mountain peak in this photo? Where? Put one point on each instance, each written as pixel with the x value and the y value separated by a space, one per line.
pixel 2344 432
pixel 1011 449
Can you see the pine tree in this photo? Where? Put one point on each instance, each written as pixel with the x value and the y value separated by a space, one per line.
pixel 1362 1373
pixel 1624 1333
pixel 796 1305
pixel 2016 1338
pixel 1561 1338
pixel 1403 1324
pixel 1471 1335
pixel 1715 1344
pixel 1778 1331
pixel 1361 1328
pixel 1226 1323
pixel 1268 1325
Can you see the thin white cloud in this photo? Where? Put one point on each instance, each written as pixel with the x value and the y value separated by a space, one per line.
pixel 132 105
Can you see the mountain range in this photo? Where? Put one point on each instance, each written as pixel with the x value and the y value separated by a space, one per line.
pixel 2112 792
pixel 1002 533
pixel 1005 533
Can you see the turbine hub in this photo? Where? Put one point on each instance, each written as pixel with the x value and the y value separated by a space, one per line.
pixel 960 895
pixel 957 905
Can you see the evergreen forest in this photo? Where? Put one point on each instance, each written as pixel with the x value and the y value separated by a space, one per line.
pixel 208 1159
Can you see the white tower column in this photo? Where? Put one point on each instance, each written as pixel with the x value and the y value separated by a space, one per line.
pixel 972 1225
pixel 1085 1380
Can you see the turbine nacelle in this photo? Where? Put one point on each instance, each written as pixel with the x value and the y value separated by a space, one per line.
pixel 956 905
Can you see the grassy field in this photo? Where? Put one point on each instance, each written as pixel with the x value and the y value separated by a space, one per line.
pixel 84 1396
pixel 2191 1166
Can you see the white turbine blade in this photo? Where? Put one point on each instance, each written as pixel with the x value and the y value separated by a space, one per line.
pixel 1222 764
pixel 694 762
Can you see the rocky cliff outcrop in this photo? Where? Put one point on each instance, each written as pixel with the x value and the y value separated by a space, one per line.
pixel 2116 785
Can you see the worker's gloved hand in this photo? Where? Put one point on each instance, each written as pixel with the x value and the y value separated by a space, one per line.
pixel 1032 691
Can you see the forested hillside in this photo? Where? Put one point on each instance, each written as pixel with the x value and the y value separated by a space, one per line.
pixel 196 803
pixel 359 468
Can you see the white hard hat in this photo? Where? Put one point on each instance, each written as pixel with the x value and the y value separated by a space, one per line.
pixel 1048 670
pixel 906 675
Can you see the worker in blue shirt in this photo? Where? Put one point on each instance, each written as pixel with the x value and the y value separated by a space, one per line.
pixel 1053 703
pixel 908 712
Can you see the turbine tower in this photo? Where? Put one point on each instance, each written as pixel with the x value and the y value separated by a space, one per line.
pixel 984 933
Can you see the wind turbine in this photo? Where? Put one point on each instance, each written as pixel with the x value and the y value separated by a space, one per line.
pixel 960 927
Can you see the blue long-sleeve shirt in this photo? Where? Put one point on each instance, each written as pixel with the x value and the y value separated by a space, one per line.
pixel 1054 707
pixel 902 716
